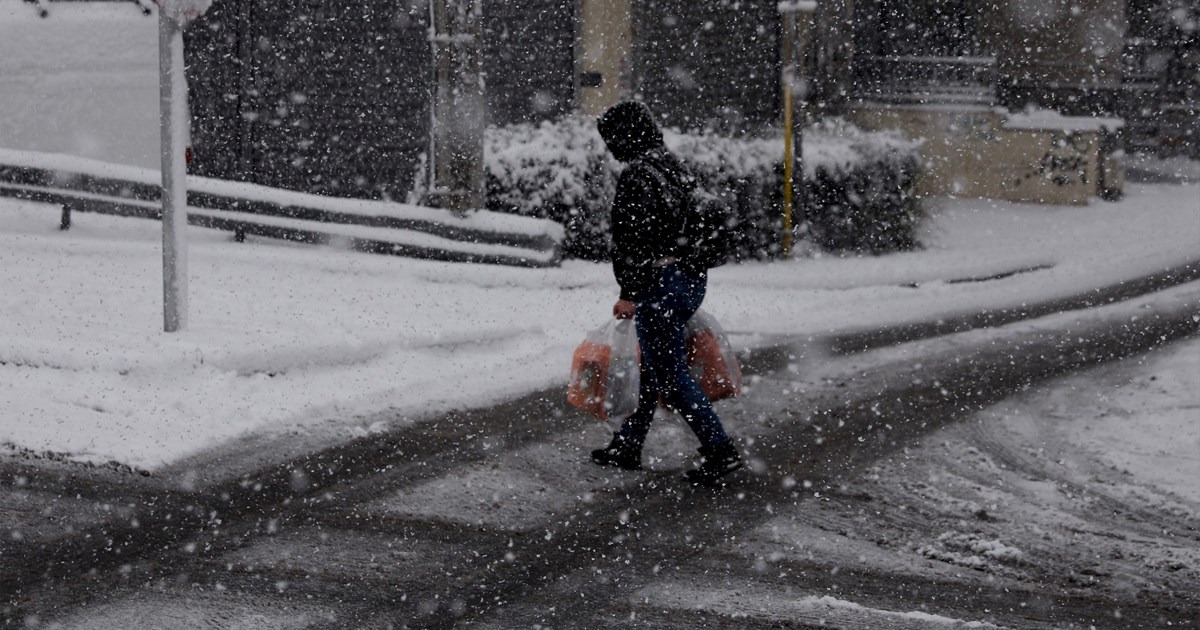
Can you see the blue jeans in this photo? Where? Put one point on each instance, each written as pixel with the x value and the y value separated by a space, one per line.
pixel 661 321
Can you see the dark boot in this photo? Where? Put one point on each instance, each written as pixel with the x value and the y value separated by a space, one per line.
pixel 619 453
pixel 716 462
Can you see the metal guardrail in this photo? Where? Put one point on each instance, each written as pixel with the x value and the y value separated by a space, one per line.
pixel 82 192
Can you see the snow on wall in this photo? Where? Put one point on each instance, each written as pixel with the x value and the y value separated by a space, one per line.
pixel 1049 120
pixel 408 238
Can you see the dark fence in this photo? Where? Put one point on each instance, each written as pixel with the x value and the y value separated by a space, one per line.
pixel 324 97
pixel 334 98
pixel 708 65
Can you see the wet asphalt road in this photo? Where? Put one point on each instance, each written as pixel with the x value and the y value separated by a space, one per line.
pixel 494 518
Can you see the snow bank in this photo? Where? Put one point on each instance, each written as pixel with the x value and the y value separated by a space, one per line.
pixel 940 620
pixel 969 550
pixel 768 603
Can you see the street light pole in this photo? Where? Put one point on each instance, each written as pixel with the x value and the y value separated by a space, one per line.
pixel 173 16
pixel 794 42
pixel 174 125
pixel 787 79
pixel 456 136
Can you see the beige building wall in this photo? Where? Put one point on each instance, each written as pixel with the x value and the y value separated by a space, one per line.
pixel 605 45
pixel 969 152
pixel 976 151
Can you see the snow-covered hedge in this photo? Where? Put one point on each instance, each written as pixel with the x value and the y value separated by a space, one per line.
pixel 859 185
pixel 554 170
pixel 860 190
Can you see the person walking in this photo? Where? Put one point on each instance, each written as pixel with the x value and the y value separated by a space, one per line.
pixel 661 288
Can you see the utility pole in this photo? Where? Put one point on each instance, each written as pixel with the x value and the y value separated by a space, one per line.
pixel 796 17
pixel 458 116
pixel 173 16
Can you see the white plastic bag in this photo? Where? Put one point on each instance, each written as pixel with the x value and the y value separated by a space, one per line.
pixel 711 359
pixel 605 371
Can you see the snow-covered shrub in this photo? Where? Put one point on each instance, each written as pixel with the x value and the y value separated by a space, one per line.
pixel 558 171
pixel 859 185
pixel 860 190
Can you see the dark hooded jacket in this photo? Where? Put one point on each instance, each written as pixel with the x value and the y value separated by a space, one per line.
pixel 647 211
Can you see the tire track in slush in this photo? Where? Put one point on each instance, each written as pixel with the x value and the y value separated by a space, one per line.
pixel 632 546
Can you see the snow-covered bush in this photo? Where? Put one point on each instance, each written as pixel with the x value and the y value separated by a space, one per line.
pixel 859 185
pixel 558 171
pixel 860 190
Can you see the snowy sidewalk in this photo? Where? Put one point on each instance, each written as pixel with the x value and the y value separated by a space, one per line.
pixel 292 338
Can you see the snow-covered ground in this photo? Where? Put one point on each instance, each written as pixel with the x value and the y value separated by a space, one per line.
pixel 1134 426
pixel 285 338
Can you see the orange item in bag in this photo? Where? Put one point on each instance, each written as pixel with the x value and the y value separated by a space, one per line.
pixel 589 378
pixel 720 377
pixel 604 372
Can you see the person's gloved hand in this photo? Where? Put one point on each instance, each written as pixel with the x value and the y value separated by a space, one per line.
pixel 623 309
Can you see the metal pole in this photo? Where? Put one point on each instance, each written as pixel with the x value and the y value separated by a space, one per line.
pixel 795 41
pixel 789 153
pixel 801 24
pixel 436 11
pixel 456 156
pixel 174 118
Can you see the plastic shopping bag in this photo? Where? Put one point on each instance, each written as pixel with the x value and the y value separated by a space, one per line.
pixel 711 358
pixel 605 372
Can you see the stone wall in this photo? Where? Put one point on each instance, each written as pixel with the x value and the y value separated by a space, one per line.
pixel 985 153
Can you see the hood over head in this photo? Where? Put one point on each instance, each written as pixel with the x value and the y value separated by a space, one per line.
pixel 629 130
